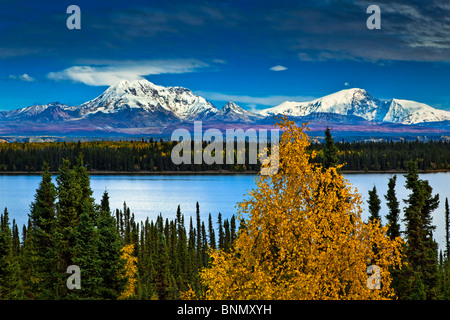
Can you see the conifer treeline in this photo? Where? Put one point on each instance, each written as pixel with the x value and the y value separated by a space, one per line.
pixel 152 155
pixel 389 155
pixel 66 228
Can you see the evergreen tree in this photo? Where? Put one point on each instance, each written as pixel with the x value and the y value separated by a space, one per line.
pixel 163 277
pixel 110 244
pixel 421 249
pixel 374 205
pixel 42 234
pixel 330 151
pixel 83 183
pixel 233 229
pixel 227 235
pixel 394 231
pixel 447 229
pixel 221 234
pixel 198 235
pixel 10 285
pixel 87 258
pixel 67 221
pixel 16 239
pixel 394 211
pixel 212 236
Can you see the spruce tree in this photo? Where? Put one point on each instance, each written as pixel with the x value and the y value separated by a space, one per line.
pixel 212 236
pixel 233 229
pixel 331 158
pixel 83 183
pixel 374 205
pixel 42 234
pixel 198 235
pixel 421 249
pixel 109 246
pixel 221 234
pixel 87 258
pixel 67 221
pixel 10 285
pixel 227 235
pixel 394 211
pixel 447 229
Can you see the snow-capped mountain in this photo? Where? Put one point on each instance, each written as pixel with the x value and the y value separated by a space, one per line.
pixel 411 112
pixel 231 112
pixel 54 111
pixel 136 107
pixel 357 102
pixel 146 96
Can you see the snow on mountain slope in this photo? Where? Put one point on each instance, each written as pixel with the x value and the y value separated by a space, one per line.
pixel 358 102
pixel 142 94
pixel 231 112
pixel 411 112
pixel 355 102
pixel 35 111
pixel 142 104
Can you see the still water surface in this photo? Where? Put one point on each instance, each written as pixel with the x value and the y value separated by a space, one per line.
pixel 150 195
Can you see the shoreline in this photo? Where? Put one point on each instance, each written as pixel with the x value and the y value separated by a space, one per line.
pixel 206 172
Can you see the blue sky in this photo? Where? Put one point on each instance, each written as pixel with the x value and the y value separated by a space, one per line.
pixel 256 53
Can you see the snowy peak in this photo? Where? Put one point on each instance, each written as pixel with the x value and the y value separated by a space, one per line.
pixel 36 110
pixel 142 94
pixel 358 102
pixel 231 112
pixel 232 107
pixel 141 106
pixel 411 112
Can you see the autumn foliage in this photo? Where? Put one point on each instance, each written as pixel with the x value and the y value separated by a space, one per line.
pixel 130 271
pixel 303 236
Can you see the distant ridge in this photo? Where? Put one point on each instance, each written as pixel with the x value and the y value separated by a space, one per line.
pixel 141 107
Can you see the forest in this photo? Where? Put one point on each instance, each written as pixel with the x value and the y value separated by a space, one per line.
pixel 119 257
pixel 152 155
pixel 259 257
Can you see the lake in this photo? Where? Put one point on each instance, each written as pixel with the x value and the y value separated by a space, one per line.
pixel 150 195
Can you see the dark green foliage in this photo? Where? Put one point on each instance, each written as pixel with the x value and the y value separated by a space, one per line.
pixel 150 155
pixel 388 155
pixel 447 229
pixel 420 278
pixel 109 246
pixel 67 228
pixel 330 151
pixel 374 205
pixel 10 284
pixel 394 211
pixel 42 237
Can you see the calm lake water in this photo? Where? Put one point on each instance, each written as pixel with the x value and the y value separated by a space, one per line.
pixel 148 196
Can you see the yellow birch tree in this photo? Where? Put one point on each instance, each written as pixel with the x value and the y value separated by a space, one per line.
pixel 130 271
pixel 304 237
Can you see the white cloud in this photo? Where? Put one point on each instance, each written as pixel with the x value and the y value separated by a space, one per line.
pixel 278 68
pixel 252 101
pixel 22 77
pixel 105 73
pixel 346 84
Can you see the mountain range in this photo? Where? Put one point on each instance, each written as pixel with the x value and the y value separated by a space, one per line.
pixel 141 107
